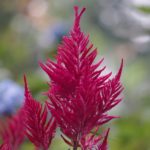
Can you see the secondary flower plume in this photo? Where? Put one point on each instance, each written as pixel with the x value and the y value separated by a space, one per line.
pixel 80 96
pixel 39 128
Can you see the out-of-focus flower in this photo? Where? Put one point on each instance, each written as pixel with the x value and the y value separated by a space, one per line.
pixel 37 8
pixel 12 131
pixel 122 19
pixel 127 21
pixel 11 97
pixel 80 96
pixel 53 35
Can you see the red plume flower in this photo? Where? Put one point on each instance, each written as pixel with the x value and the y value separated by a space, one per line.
pixel 12 132
pixel 39 128
pixel 80 96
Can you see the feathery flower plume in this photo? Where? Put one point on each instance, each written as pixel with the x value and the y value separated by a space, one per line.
pixel 80 96
pixel 40 128
pixel 12 132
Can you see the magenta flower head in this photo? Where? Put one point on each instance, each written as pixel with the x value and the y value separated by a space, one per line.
pixel 80 96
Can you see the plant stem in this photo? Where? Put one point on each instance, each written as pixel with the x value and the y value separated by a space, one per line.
pixel 75 145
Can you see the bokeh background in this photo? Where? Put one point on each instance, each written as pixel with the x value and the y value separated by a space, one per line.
pixel 30 31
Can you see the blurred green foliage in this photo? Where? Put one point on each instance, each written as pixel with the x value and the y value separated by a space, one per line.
pixel 144 9
pixel 132 134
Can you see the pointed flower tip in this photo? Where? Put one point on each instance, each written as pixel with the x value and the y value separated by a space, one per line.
pixel 120 70
pixel 76 9
pixel 107 132
pixel 26 90
pixel 104 145
pixel 78 16
pixel 106 136
pixel 25 82
pixel 121 63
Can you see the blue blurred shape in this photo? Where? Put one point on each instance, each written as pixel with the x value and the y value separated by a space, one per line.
pixel 53 35
pixel 11 97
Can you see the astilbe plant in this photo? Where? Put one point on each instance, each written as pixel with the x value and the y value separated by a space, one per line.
pixel 80 97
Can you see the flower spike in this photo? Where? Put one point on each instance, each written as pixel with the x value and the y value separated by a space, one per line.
pixel 120 71
pixel 80 96
pixel 77 18
pixel 39 129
